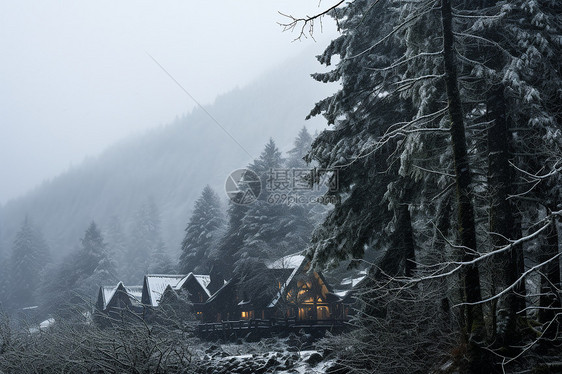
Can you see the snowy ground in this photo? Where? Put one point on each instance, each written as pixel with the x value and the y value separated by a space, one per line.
pixel 266 356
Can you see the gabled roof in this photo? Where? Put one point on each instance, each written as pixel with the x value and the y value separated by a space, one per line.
pixel 294 262
pixel 287 262
pixel 203 281
pixel 220 290
pixel 156 285
pixel 108 293
pixel 135 293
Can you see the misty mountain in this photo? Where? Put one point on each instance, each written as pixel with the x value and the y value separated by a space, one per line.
pixel 170 165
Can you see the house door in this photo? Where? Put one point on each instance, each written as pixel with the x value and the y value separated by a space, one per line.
pixel 323 312
pixel 307 313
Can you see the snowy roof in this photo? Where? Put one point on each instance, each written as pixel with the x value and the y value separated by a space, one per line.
pixel 156 285
pixel 295 262
pixel 107 292
pixel 288 262
pixel 218 292
pixel 135 292
pixel 204 281
pixel 352 281
pixel 341 294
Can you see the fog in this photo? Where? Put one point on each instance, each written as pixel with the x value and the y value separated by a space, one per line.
pixel 77 77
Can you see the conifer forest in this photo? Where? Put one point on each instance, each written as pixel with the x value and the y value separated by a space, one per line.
pixel 390 205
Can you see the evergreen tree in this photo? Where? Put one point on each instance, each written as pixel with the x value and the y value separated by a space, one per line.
pixel 272 226
pixel 30 255
pixel 98 266
pixel 145 237
pixel 93 250
pixel 160 262
pixel 71 287
pixel 449 72
pixel 117 243
pixel 230 243
pixel 4 271
pixel 300 149
pixel 201 233
pixel 352 154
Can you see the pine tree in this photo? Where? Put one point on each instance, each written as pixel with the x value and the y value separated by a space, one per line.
pixel 117 243
pixel 93 249
pixel 202 233
pixel 30 255
pixel 97 267
pixel 360 113
pixel 454 73
pixel 160 262
pixel 71 286
pixel 145 237
pixel 300 149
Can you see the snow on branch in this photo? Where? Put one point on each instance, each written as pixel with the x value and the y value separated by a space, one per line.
pixel 458 265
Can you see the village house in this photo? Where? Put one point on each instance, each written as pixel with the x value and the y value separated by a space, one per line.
pixel 118 301
pixel 282 289
pixel 286 290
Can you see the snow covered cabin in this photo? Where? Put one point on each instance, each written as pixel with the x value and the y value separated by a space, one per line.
pixel 283 289
pixel 159 288
pixel 114 301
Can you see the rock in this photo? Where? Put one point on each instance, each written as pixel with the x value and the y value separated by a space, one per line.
pixel 327 352
pixel 336 368
pixel 269 342
pixel 314 359
pixel 271 362
pixel 288 364
pixel 212 348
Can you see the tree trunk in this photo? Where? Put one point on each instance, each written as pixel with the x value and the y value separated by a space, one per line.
pixel 466 225
pixel 502 224
pixel 408 245
pixel 550 284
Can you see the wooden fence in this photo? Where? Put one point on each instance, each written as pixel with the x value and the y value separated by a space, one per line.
pixel 233 329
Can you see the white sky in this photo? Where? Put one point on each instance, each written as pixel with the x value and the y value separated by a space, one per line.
pixel 75 76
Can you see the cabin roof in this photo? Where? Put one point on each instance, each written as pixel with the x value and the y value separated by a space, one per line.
pixel 294 262
pixel 156 284
pixel 108 292
pixel 203 281
pixel 134 291
pixel 287 262
pixel 220 290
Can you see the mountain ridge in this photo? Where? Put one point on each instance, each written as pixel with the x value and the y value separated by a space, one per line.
pixel 171 163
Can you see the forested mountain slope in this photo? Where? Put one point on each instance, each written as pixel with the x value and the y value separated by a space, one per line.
pixel 169 165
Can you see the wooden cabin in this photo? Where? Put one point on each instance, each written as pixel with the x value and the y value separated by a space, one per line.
pixel 193 288
pixel 117 302
pixel 279 290
pixel 286 290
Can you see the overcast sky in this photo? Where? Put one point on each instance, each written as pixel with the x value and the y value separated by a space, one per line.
pixel 75 77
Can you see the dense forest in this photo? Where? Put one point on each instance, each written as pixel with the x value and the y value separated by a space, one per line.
pixel 441 168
